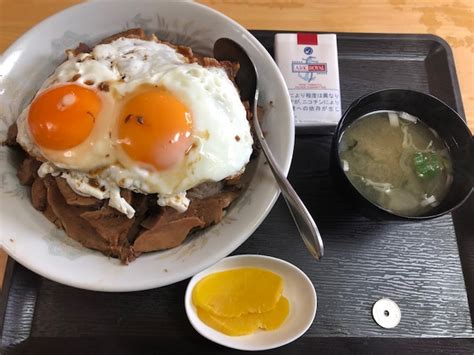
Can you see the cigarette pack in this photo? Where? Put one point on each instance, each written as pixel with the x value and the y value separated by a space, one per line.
pixel 309 64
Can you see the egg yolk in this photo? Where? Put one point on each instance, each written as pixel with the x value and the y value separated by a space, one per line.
pixel 63 117
pixel 155 128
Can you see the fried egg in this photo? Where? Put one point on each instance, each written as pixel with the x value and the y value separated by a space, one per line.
pixel 136 114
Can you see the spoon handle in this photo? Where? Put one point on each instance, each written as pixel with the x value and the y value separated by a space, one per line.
pixel 303 220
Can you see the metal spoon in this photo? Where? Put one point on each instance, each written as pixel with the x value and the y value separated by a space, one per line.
pixel 246 80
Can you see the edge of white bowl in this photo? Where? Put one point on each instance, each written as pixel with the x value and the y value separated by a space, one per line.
pixel 156 283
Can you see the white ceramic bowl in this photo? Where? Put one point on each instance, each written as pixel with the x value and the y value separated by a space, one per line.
pixel 298 289
pixel 34 242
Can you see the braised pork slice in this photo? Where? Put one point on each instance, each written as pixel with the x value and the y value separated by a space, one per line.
pixel 118 230
pixel 137 33
pixel 231 68
pixel 211 209
pixel 170 228
pixel 38 195
pixel 51 216
pixel 28 171
pixel 75 226
pixel 166 234
pixel 81 48
pixel 11 136
pixel 140 203
pixel 111 225
pixel 74 199
pixel 185 51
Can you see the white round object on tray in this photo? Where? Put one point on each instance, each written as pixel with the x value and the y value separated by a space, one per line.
pixel 34 242
pixel 386 313
pixel 298 289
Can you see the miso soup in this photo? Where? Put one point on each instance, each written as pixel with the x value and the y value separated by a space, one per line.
pixel 396 161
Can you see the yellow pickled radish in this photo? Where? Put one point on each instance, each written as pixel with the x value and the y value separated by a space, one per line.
pixel 247 323
pixel 235 292
pixel 275 318
pixel 242 325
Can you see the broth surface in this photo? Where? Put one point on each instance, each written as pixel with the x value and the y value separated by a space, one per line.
pixel 396 161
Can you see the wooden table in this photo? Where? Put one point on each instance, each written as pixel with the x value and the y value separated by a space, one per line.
pixel 452 20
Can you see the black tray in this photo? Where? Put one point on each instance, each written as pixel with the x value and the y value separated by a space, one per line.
pixel 418 265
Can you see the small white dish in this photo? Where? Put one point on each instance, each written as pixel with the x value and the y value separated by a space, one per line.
pixel 298 288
